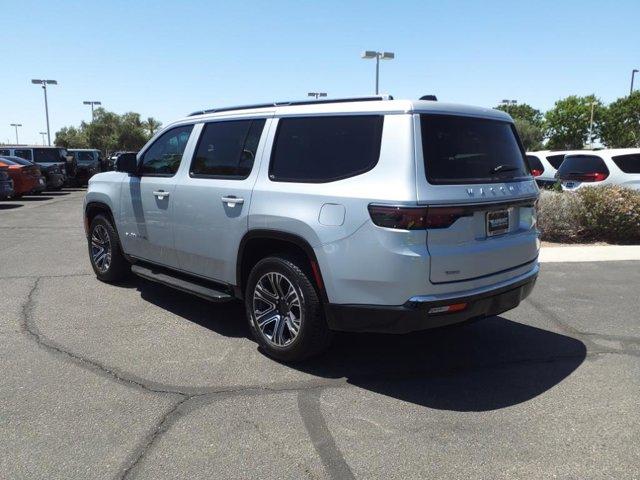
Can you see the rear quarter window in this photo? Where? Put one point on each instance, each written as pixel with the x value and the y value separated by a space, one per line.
pixel 628 163
pixel 325 149
pixel 556 160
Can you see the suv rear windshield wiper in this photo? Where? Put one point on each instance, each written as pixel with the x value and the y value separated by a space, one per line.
pixel 504 168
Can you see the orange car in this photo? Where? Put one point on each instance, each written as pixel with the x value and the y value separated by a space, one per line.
pixel 26 179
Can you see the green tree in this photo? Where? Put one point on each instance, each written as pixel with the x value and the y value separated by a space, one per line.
pixel 109 132
pixel 567 123
pixel 531 134
pixel 71 137
pixel 151 125
pixel 620 125
pixel 523 111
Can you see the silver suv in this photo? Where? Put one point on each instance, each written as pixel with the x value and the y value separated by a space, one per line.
pixel 368 215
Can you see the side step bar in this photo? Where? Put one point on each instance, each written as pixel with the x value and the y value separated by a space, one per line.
pixel 190 286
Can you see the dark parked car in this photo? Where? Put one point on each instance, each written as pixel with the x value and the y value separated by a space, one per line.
pixel 89 163
pixel 6 184
pixel 54 177
pixel 44 156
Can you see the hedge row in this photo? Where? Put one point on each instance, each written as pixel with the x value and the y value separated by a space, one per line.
pixel 608 214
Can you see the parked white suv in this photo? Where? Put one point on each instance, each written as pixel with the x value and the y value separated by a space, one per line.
pixel 619 166
pixel 366 214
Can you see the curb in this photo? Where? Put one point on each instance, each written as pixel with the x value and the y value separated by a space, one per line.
pixel 592 253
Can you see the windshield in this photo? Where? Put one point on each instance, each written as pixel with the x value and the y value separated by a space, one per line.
pixel 83 157
pixel 459 150
pixel 49 155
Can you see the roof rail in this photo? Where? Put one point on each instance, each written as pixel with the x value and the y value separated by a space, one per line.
pixel 291 103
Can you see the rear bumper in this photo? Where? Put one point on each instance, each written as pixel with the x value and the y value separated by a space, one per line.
pixel 414 316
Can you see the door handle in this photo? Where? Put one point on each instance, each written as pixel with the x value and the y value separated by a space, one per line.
pixel 232 200
pixel 160 194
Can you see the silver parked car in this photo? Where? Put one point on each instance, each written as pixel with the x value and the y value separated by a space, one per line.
pixel 366 214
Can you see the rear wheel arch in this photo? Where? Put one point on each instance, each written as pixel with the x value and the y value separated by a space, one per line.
pixel 258 244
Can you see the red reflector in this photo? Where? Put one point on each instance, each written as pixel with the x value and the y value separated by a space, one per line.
pixel 536 173
pixel 456 307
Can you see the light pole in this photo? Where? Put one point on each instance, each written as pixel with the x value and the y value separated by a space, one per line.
pixel 44 84
pixel 317 94
pixel 592 104
pixel 509 102
pixel 369 54
pixel 633 74
pixel 43 134
pixel 16 125
pixel 92 103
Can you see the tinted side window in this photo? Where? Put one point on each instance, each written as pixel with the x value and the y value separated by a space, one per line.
pixel 5 151
pixel 227 149
pixel 556 160
pixel 324 149
pixel 26 154
pixel 164 156
pixel 628 163
pixel 49 155
pixel 535 163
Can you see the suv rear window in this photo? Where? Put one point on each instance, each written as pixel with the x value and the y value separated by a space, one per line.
pixel 460 150
pixel 575 166
pixel 628 163
pixel 535 164
pixel 556 160
pixel 325 149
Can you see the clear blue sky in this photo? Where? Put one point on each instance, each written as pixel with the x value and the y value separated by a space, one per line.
pixel 167 58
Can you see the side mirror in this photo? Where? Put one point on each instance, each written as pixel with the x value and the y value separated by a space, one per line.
pixel 128 163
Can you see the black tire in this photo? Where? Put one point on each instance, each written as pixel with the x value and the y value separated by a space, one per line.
pixel 313 336
pixel 118 268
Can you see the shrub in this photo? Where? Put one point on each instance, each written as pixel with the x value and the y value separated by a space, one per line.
pixel 559 216
pixel 610 214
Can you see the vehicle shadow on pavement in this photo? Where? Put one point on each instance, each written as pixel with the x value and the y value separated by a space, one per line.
pixel 9 206
pixel 56 194
pixel 33 199
pixel 485 365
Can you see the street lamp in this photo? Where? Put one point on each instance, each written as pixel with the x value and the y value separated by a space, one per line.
pixel 16 125
pixel 316 94
pixel 92 103
pixel 44 84
pixel 592 104
pixel 370 54
pixel 633 74
pixel 43 134
pixel 509 102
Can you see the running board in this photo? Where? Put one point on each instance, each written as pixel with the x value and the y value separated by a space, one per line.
pixel 190 286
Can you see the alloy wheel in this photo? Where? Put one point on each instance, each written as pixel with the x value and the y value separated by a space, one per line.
pixel 101 248
pixel 277 309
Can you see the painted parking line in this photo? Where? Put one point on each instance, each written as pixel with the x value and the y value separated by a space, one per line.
pixel 595 253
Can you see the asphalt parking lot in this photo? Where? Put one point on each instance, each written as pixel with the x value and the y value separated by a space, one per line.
pixel 140 381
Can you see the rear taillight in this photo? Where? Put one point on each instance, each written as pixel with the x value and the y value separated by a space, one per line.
pixel 416 218
pixel 536 173
pixel 586 177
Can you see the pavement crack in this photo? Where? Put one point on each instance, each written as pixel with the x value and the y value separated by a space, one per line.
pixel 162 426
